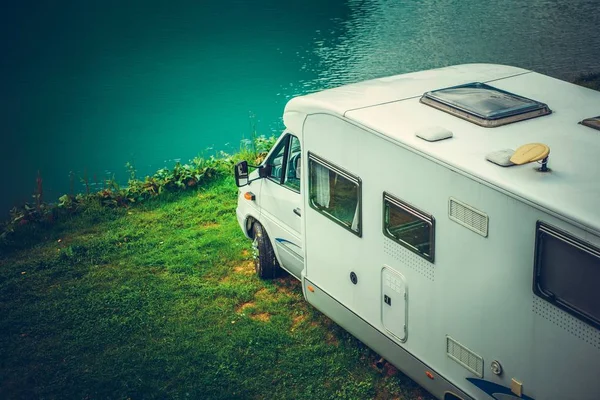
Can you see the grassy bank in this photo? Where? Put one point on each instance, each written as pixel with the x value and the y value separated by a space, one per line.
pixel 591 81
pixel 160 300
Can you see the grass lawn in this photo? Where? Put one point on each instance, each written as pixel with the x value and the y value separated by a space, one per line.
pixel 160 301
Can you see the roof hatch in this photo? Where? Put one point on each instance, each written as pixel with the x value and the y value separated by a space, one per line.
pixel 592 122
pixel 484 105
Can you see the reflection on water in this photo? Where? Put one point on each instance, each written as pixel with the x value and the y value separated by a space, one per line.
pixel 382 37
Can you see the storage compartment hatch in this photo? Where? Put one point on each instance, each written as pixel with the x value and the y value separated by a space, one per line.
pixel 394 303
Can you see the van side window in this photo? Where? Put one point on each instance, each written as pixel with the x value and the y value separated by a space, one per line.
pixel 409 226
pixel 567 272
pixel 335 193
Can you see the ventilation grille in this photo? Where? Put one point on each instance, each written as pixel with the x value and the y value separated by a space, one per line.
pixel 566 321
pixel 464 356
pixel 408 258
pixel 468 217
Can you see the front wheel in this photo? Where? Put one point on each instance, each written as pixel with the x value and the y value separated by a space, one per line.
pixel 265 262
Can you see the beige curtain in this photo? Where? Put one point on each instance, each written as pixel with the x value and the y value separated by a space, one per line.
pixel 322 185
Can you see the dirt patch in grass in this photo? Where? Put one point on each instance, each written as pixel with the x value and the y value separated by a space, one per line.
pixel 263 317
pixel 247 268
pixel 244 306
pixel 331 339
pixel 210 225
pixel 289 286
pixel 298 319
pixel 389 369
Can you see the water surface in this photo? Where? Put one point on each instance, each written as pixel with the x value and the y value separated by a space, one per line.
pixel 89 86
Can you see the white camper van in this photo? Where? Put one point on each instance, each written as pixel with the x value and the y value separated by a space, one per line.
pixel 450 220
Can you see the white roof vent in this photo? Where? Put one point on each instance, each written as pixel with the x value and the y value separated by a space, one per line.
pixel 525 154
pixel 434 133
pixel 501 157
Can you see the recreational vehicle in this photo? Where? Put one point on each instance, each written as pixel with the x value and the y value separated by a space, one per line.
pixel 450 220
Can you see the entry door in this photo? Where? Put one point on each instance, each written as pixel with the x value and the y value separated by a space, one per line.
pixel 394 303
pixel 281 202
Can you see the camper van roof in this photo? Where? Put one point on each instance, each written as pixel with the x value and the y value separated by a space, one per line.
pixel 391 108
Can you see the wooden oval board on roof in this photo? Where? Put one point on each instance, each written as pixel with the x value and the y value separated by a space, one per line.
pixel 530 152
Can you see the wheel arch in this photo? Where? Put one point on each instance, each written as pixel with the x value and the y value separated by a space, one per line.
pixel 250 220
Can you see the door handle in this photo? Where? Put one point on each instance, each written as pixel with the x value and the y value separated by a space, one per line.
pixel 297 211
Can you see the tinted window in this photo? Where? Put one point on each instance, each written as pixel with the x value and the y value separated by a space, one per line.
pixel 567 273
pixel 408 226
pixel 334 193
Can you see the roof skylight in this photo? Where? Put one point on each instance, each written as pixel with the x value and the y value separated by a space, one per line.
pixel 592 122
pixel 484 105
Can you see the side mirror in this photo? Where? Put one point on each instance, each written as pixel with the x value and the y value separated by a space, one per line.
pixel 264 171
pixel 241 173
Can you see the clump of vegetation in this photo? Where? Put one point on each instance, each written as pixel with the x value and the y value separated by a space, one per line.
pixel 31 218
pixel 591 80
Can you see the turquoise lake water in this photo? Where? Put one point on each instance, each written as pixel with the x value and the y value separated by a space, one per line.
pixel 90 85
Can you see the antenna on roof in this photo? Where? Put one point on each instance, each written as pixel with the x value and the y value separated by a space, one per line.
pixel 532 152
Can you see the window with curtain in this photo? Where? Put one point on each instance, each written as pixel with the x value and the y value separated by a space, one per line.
pixel 335 193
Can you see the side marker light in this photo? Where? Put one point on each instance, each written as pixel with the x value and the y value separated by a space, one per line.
pixel 429 374
pixel 249 196
pixel 310 288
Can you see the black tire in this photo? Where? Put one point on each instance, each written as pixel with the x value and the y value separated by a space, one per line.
pixel 265 262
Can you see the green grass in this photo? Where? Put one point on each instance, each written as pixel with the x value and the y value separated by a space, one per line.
pixel 161 301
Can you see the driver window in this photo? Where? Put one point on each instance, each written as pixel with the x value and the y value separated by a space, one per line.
pixel 276 161
pixel 284 163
